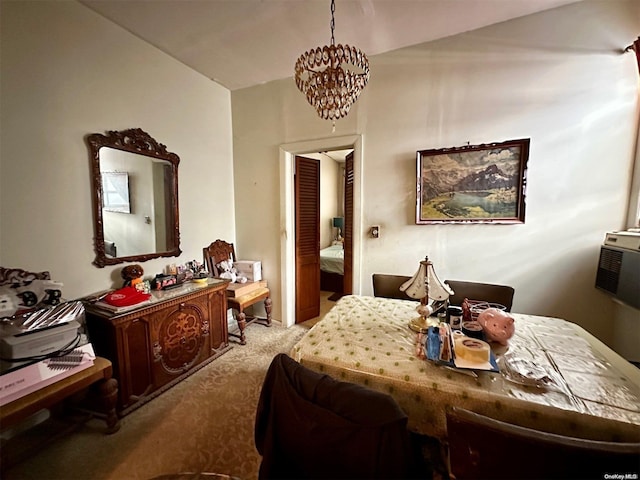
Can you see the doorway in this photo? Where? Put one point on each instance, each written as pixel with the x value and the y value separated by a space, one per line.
pixel 287 213
pixel 323 198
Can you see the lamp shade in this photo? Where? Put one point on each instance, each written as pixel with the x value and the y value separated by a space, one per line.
pixel 338 222
pixel 425 284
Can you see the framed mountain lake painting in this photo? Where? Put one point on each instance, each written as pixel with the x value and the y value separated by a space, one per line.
pixel 472 184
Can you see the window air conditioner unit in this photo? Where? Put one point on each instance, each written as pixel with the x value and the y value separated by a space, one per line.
pixel 619 267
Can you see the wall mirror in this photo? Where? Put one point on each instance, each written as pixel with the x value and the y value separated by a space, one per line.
pixel 135 197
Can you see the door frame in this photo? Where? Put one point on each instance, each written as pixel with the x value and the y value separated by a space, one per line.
pixel 288 152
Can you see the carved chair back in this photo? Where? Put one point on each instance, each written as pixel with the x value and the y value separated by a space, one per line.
pixel 17 275
pixel 217 252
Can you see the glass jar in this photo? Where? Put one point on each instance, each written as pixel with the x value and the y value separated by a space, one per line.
pixel 454 317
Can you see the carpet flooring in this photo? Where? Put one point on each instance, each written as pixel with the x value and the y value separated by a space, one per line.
pixel 203 424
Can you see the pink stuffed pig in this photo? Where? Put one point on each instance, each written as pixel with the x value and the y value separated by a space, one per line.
pixel 497 325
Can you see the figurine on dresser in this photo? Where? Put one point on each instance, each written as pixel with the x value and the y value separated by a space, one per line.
pixel 132 275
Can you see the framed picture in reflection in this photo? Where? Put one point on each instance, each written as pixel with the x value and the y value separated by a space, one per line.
pixel 473 183
pixel 115 192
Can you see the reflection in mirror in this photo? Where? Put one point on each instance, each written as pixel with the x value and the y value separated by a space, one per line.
pixel 133 202
pixel 135 183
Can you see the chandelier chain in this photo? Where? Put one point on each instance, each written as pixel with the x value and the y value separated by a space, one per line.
pixel 333 21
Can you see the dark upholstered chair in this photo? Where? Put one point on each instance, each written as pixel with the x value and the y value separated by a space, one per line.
pixel 487 292
pixel 309 425
pixel 482 447
pixel 213 255
pixel 388 286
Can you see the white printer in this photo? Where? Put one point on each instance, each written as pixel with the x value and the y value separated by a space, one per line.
pixel 628 239
pixel 36 334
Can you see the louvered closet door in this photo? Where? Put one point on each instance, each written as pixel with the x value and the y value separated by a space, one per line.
pixel 348 225
pixel 307 201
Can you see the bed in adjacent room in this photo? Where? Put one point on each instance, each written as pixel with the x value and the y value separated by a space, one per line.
pixel 332 268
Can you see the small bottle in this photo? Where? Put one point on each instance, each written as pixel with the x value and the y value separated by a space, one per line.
pixel 455 317
pixel 420 346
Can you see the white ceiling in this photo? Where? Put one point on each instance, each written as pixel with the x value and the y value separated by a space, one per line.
pixel 242 43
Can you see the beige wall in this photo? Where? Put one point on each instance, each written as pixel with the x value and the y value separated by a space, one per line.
pixel 329 199
pixel 557 77
pixel 68 72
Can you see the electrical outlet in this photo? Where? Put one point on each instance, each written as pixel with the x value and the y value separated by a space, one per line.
pixel 375 231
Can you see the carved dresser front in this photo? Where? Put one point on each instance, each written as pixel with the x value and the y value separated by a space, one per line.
pixel 155 346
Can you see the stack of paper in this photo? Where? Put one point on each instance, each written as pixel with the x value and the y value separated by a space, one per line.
pixel 18 383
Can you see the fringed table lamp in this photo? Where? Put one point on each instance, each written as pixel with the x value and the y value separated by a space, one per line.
pixel 424 286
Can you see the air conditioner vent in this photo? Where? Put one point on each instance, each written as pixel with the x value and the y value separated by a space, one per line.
pixel 609 270
pixel 619 274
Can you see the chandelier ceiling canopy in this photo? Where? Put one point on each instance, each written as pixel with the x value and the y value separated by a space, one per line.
pixel 327 76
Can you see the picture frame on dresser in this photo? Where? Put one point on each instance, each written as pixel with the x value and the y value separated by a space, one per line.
pixel 472 184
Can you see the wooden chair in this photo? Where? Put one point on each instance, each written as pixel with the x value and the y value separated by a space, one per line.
pixel 213 255
pixel 487 292
pixel 388 286
pixel 482 447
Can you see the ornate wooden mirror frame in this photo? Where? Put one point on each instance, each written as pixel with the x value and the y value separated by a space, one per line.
pixel 136 141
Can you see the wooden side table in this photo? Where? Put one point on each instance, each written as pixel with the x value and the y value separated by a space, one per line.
pixel 99 373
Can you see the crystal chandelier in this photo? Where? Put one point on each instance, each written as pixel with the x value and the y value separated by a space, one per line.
pixel 323 75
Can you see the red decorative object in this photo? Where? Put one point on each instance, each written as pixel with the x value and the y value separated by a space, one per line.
pixel 126 296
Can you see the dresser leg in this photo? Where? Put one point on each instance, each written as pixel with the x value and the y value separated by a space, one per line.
pixel 267 308
pixel 109 396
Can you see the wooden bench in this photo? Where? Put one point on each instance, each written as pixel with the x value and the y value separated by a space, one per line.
pixel 245 301
pixel 99 373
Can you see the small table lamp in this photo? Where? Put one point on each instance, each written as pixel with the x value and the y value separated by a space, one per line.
pixel 338 222
pixel 425 285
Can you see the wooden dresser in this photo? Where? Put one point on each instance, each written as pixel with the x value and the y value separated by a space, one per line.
pixel 159 344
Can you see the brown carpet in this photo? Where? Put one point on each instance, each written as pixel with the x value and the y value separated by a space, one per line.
pixel 203 424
